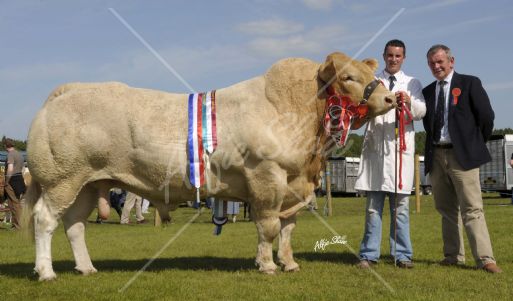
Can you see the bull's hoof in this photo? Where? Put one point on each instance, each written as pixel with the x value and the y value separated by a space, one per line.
pixel 268 268
pixel 268 272
pixel 45 276
pixel 86 271
pixel 291 267
pixel 48 277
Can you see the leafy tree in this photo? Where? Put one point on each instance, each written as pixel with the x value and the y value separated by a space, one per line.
pixel 18 144
pixel 502 131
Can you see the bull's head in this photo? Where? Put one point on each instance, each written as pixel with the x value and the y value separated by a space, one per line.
pixel 350 78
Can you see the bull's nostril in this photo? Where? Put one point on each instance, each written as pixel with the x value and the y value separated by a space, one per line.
pixel 389 100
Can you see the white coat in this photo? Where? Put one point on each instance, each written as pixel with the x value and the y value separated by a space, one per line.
pixel 377 162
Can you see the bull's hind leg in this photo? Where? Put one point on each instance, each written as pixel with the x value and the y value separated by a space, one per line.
pixel 74 223
pixel 45 222
pixel 285 248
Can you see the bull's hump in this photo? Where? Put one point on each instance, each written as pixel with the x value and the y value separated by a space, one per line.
pixel 77 86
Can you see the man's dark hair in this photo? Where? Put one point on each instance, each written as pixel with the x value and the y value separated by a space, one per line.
pixel 395 43
pixel 8 143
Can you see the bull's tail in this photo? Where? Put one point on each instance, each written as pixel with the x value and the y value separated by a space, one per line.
pixel 30 199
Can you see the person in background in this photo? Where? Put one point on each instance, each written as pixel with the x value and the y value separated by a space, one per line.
pixel 458 122
pixel 511 164
pixel 377 169
pixel 132 200
pixel 117 198
pixel 14 183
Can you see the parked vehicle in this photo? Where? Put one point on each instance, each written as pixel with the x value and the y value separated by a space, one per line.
pixel 497 175
pixel 343 172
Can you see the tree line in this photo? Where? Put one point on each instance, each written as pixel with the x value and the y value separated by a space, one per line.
pixel 354 148
pixel 355 143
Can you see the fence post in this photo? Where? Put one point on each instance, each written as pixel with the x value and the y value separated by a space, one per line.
pixel 417 183
pixel 328 188
pixel 158 220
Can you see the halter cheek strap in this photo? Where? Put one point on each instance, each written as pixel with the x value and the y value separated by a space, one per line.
pixel 369 89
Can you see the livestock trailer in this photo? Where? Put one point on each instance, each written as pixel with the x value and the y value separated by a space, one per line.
pixel 497 175
pixel 343 172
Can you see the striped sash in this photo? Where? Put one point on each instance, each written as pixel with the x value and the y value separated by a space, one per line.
pixel 202 134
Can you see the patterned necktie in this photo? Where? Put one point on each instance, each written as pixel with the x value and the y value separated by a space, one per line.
pixel 439 113
pixel 391 85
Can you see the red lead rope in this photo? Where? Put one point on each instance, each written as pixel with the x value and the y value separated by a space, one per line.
pixel 403 121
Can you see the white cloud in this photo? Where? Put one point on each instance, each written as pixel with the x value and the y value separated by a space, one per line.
pixel 271 27
pixel 433 6
pixel 499 86
pixel 318 40
pixel 318 4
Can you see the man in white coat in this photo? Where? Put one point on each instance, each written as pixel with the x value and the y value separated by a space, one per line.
pixel 376 175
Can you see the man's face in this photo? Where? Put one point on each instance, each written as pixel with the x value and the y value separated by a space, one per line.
pixel 394 58
pixel 440 64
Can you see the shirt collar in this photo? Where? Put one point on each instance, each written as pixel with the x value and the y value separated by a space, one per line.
pixel 397 75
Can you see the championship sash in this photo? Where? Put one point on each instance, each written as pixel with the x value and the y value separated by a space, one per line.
pixel 202 134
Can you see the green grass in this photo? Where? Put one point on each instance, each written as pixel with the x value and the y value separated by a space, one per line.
pixel 200 266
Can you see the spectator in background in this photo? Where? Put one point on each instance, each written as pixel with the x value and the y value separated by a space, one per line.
pixel 14 183
pixel 511 163
pixel 117 198
pixel 132 200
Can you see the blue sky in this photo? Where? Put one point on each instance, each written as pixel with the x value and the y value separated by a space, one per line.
pixel 213 44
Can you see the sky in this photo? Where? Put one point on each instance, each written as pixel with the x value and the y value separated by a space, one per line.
pixel 179 46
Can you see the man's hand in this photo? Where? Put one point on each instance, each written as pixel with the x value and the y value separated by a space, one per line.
pixel 402 97
pixel 511 163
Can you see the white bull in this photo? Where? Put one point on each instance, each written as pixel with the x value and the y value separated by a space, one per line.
pixel 90 137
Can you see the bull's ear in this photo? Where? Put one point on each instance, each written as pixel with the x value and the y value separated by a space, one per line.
pixel 327 70
pixel 372 63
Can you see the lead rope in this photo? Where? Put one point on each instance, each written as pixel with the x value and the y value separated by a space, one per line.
pixel 405 117
pixel 400 133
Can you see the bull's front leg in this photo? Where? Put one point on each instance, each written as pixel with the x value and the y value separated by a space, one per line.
pixel 285 255
pixel 268 229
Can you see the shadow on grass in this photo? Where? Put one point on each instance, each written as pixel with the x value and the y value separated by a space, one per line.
pixel 23 270
pixel 206 263
pixel 334 257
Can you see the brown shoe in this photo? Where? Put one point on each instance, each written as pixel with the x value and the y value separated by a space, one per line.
pixel 365 264
pixel 492 268
pixel 142 222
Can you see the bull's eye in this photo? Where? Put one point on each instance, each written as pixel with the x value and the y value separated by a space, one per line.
pixel 348 78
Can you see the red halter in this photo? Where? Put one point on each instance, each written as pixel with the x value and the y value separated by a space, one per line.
pixel 340 112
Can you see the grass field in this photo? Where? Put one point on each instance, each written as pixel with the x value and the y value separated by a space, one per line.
pixel 200 266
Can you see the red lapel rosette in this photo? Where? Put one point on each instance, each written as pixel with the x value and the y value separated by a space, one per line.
pixel 456 92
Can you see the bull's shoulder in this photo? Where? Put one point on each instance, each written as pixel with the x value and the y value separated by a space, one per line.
pixel 70 87
pixel 291 83
pixel 292 69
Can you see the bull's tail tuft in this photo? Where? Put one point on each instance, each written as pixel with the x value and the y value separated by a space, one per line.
pixel 30 199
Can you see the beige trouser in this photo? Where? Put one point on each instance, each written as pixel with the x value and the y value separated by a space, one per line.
pixel 14 206
pixel 131 201
pixel 457 190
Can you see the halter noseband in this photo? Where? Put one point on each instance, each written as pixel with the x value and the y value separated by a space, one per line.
pixel 340 112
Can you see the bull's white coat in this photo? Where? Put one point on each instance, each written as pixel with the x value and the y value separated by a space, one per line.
pixel 90 137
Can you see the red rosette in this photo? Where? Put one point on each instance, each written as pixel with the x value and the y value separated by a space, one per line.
pixel 456 92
